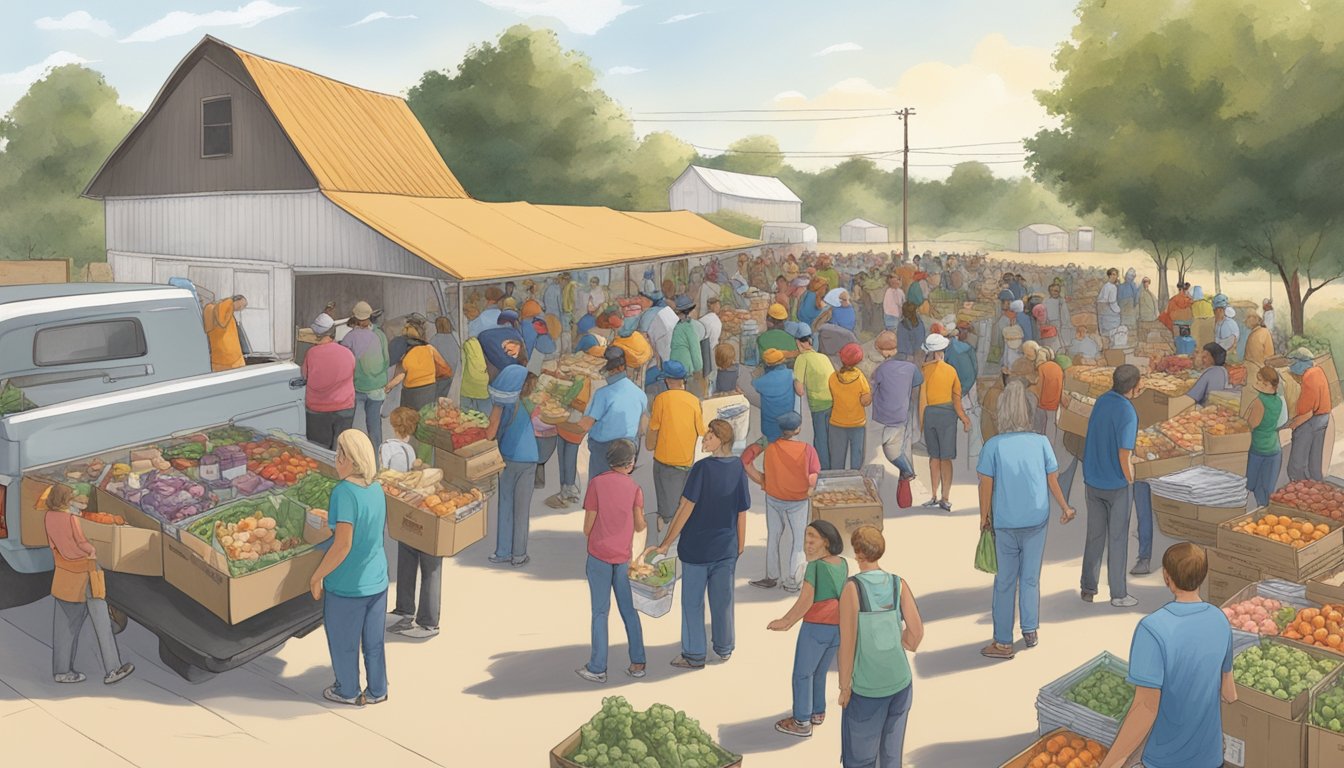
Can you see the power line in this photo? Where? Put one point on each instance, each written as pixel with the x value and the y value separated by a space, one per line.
pixel 982 144
pixel 754 111
pixel 757 119
pixel 968 154
pixel 802 153
pixel 954 165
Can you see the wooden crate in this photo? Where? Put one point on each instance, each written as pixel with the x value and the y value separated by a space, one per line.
pixel 1277 559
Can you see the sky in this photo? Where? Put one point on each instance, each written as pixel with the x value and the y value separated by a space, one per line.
pixel 967 67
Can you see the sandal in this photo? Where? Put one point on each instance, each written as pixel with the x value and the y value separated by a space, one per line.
pixel 996 651
pixel 819 718
pixel 681 662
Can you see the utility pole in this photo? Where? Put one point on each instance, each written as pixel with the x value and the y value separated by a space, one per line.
pixel 1217 272
pixel 904 116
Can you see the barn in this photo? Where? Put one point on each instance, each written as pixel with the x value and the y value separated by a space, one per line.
pixel 793 232
pixel 1082 239
pixel 706 190
pixel 1042 238
pixel 862 231
pixel 251 176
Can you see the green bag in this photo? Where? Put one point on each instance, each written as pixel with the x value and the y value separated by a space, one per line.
pixel 986 559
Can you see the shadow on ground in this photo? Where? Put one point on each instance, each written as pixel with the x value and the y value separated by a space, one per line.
pixel 758 736
pixel 552 670
pixel 968 753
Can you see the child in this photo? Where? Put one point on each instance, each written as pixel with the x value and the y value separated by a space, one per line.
pixel 725 378
pixel 790 477
pixel 613 517
pixel 398 455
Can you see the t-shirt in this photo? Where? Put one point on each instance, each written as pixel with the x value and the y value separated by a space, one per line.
pixel 826 579
pixel 717 486
pixel 1114 426
pixel 1213 379
pixel 475 377
pixel 330 371
pixel 423 366
pixel 813 370
pixel 369 347
pixel 776 338
pixel 1315 395
pixel 1018 462
pixel 961 356
pixel 397 455
pixel 775 387
pixel 517 439
pixel 616 409
pixel 893 381
pixel 677 417
pixel 614 497
pixel 847 387
pixel 363 572
pixel 1183 650
pixel 221 330
pixel 787 466
pixel 941 385
pixel 1052 385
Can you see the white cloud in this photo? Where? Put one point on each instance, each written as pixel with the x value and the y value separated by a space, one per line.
pixel 584 17
pixel 680 17
pixel 625 71
pixel 80 21
pixel 184 23
pixel 839 48
pixel 379 16
pixel 31 74
pixel 789 96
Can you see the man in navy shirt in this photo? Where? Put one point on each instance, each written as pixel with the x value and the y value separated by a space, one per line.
pixel 1181 664
pixel 492 344
pixel 1107 476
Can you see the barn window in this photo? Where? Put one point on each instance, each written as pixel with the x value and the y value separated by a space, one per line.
pixel 217 127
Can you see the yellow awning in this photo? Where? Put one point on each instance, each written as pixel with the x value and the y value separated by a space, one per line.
pixel 473 240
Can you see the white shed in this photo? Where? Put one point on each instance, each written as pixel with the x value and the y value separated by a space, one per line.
pixel 706 190
pixel 862 231
pixel 1042 238
pixel 788 232
pixel 1082 239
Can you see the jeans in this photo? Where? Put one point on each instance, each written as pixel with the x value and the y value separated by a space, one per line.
pixel 597 458
pixel 430 568
pixel 896 448
pixel 1107 532
pixel 785 522
pixel 668 484
pixel 846 440
pixel 545 450
pixel 821 438
pixel 569 463
pixel 1020 551
pixel 66 624
pixel 373 417
pixel 1306 455
pixel 514 509
pixel 717 579
pixel 817 646
pixel 352 623
pixel 872 731
pixel 604 579
pixel 1066 477
pixel 443 386
pixel 1262 473
pixel 323 428
pixel 1143 513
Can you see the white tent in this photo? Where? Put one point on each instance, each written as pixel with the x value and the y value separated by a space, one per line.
pixel 788 232
pixel 862 231
pixel 1042 238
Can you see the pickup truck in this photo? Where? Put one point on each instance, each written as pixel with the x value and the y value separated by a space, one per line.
pixel 113 366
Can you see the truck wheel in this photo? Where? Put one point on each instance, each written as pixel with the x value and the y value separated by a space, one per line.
pixel 183 668
pixel 118 618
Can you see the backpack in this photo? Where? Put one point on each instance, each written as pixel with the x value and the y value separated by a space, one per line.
pixel 880 664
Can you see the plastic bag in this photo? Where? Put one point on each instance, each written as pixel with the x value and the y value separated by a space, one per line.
pixel 986 559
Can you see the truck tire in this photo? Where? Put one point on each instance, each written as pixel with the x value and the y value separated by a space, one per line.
pixel 18 589
pixel 184 669
pixel 118 618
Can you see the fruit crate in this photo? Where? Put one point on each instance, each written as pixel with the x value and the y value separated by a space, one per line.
pixel 1286 592
pixel 1325 742
pixel 1024 759
pixel 559 759
pixel 1288 709
pixel 1054 710
pixel 1282 560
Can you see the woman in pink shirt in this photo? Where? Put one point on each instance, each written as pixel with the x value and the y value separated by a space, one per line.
pixel 329 398
pixel 613 515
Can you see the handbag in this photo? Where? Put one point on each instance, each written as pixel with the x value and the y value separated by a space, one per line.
pixel 986 559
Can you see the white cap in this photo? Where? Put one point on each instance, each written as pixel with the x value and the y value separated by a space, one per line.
pixel 322 324
pixel 935 343
pixel 1229 312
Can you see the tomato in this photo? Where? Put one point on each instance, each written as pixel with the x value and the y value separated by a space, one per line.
pixel 289 478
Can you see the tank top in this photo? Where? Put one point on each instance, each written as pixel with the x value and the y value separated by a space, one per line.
pixel 881 667
pixel 1265 438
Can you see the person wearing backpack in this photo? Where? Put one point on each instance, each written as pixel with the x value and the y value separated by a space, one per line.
pixel 875 677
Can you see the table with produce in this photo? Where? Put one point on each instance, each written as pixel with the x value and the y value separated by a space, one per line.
pixel 445 426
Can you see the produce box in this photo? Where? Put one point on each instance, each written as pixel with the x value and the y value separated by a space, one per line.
pixel 661 731
pixel 1055 707
pixel 411 523
pixel 132 545
pixel 1268 605
pixel 1327 588
pixel 1254 668
pixel 1256 739
pixel 1278 559
pixel 1323 499
pixel 1154 407
pixel 203 573
pixel 1325 724
pixel 1226 462
pixel 848 499
pixel 469 463
pixel 1191 522
pixel 82 476
pixel 1222 587
pixel 1059 748
pixel 1144 470
pixel 1196 511
pixel 170 497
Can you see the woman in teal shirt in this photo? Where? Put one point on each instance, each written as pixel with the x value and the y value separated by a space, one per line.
pixel 875 679
pixel 353 574
pixel 1265 415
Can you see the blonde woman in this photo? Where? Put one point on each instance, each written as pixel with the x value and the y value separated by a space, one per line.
pixel 354 575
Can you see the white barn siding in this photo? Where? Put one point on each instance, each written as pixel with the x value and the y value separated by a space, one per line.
pixel 691 193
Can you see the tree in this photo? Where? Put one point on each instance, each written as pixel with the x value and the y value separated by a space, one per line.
pixel 54 139
pixel 757 155
pixel 657 162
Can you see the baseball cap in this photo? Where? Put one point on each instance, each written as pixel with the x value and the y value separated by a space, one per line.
pixel 772 356
pixel 778 312
pixel 361 310
pixel 684 304
pixel 673 369
pixel 852 354
pixel 799 330
pixel 322 324
pixel 790 421
pixel 935 343
pixel 615 357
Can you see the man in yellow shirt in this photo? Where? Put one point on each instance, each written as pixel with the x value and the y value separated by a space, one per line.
pixel 940 409
pixel 675 424
pixel 221 330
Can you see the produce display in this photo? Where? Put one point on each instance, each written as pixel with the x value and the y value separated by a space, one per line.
pixel 1322 627
pixel 661 737
pixel 253 534
pixel 580 364
pixel 278 462
pixel 1151 445
pixel 192 451
pixel 1097 378
pixel 1103 692
pixel 165 496
pixel 1293 531
pixel 1317 346
pixel 230 435
pixel 1260 615
pixel 313 490
pixel 1311 496
pixel 837 498
pixel 12 400
pixel 424 489
pixel 1067 750
pixel 1187 430
pixel 658 574
pixel 1279 671
pixel 466 427
pixel 103 517
pixel 1328 709
pixel 1166 383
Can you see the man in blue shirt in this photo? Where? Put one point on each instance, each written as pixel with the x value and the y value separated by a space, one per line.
pixel 618 410
pixel 1107 476
pixel 1181 662
pixel 775 387
pixel 893 384
pixel 497 358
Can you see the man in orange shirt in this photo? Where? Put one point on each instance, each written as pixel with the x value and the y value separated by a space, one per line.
pixel 791 470
pixel 1311 419
pixel 221 330
pixel 1048 387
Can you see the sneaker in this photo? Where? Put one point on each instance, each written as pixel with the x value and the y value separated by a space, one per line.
pixel 764 583
pixel 791 588
pixel 681 662
pixel 497 560
pixel 1031 638
pixel 70 677
pixel 819 718
pixel 636 671
pixel 405 623
pixel 524 560
pixel 374 699
pixel 557 501
pixel 1124 602
pixel 1087 596
pixel 794 728
pixel 930 503
pixel 996 651
pixel 592 677
pixel 330 694
pixel 417 632
pixel 723 658
pixel 1142 567
pixel 118 674
pixel 945 505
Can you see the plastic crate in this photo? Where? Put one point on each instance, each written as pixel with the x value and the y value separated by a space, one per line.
pixel 656 601
pixel 1053 710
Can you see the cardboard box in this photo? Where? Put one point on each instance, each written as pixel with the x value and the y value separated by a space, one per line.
pixel 1144 470
pixel 1327 588
pixel 1277 559
pixel 1325 748
pixel 1239 444
pixel 1256 739
pixel 202 573
pixel 1233 565
pixel 1070 420
pixel 1114 357
pixel 431 534
pixel 1196 511
pixel 1227 462
pixel 472 462
pixel 1223 587
pixel 1296 707
pixel 132 548
pixel 571 743
pixel 1023 759
pixel 847 518
pixel 1153 407
pixel 1185 528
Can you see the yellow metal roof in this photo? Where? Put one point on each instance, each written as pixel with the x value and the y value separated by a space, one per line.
pixel 473 240
pixel 353 140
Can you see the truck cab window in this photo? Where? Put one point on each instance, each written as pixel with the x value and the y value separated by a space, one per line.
pixel 89 342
